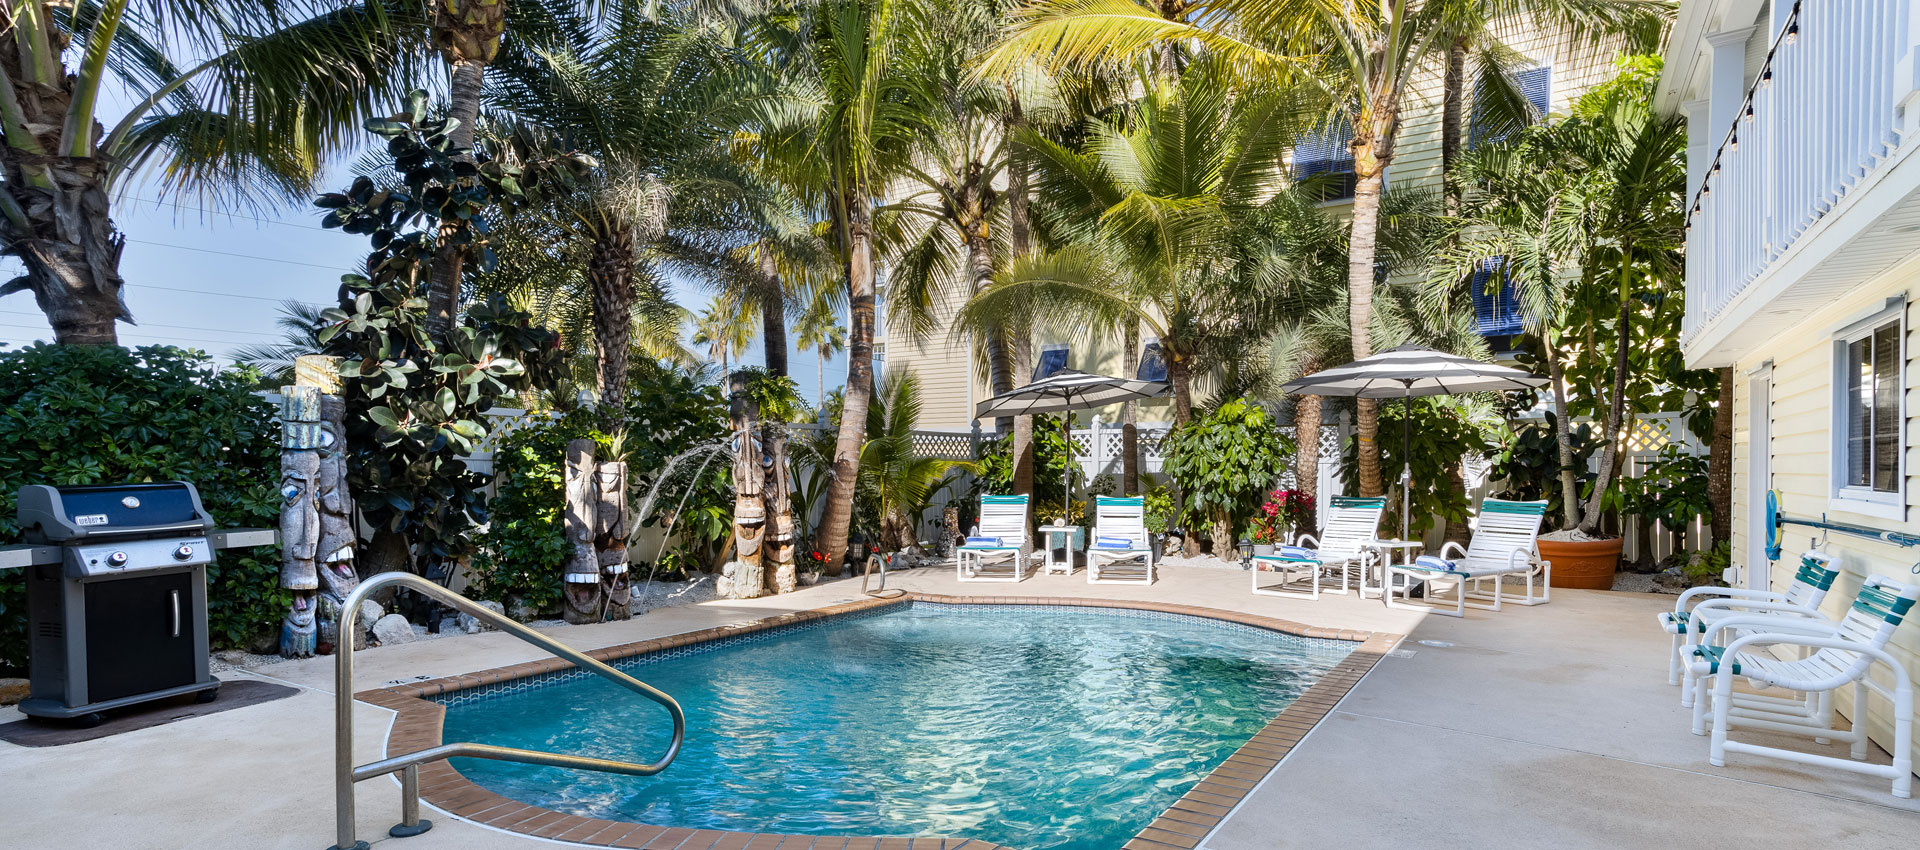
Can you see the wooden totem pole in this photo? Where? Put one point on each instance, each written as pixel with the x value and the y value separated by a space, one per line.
pixel 744 577
pixel 596 523
pixel 316 512
pixel 763 531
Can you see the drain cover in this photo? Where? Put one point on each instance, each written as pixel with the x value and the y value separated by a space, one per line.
pixel 1437 644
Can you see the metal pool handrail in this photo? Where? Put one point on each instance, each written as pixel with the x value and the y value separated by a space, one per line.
pixel 408 765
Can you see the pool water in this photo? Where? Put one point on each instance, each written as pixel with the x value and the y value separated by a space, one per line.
pixel 1037 728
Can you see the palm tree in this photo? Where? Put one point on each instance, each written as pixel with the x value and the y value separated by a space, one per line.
pixel 300 324
pixel 280 89
pixel 1162 219
pixel 725 333
pixel 1583 212
pixel 854 108
pixel 820 332
pixel 1360 57
pixel 641 96
pixel 901 478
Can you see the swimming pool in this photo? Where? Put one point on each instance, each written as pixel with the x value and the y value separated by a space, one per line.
pixel 1037 727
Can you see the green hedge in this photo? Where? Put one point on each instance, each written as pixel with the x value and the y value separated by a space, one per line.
pixel 103 415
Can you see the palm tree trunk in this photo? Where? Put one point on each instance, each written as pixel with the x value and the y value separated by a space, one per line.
pixel 463 104
pixel 54 210
pixel 773 316
pixel 838 517
pixel 1362 245
pixel 1020 235
pixel 610 281
pixel 1720 462
pixel 1306 435
pixel 1452 118
pixel 1563 437
pixel 1182 380
pixel 1130 414
pixel 999 371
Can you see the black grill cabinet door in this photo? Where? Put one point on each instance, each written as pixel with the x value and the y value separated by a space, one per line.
pixel 140 635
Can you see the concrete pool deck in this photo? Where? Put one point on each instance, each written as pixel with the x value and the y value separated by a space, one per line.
pixel 1549 726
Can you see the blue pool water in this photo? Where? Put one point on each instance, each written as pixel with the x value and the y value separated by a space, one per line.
pixel 1041 728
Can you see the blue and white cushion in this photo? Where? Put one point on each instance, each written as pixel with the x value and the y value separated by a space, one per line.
pixel 1435 562
pixel 1297 553
pixel 979 542
pixel 1112 543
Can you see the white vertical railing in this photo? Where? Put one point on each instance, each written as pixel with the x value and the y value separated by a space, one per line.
pixel 1822 115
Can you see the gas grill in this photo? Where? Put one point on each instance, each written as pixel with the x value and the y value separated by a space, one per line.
pixel 116 596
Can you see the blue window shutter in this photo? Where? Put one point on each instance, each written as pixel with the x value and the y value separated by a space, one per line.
pixel 1152 366
pixel 1325 151
pixel 1495 312
pixel 1536 85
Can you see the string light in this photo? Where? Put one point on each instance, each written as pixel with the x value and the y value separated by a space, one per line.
pixel 1766 77
pixel 1733 142
pixel 1749 111
pixel 1793 29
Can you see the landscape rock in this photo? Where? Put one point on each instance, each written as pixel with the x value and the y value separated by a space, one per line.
pixel 370 613
pixel 1672 578
pixel 393 629
pixel 521 612
pixel 473 625
pixel 12 691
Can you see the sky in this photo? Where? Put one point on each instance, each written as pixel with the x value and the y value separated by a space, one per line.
pixel 214 280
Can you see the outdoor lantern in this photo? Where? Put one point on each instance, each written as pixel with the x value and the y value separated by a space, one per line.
pixel 1246 549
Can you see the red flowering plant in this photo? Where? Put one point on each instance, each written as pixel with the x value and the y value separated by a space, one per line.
pixel 1284 511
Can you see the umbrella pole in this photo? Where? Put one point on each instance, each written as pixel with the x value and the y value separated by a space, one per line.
pixel 1066 505
pixel 1406 462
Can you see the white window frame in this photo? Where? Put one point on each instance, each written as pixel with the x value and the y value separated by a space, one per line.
pixel 1867 501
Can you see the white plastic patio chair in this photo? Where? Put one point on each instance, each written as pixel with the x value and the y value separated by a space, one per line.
pixel 1842 654
pixel 1119 552
pixel 1352 525
pixel 1505 543
pixel 1699 607
pixel 1002 539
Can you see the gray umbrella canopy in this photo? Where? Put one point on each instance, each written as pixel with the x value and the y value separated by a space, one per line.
pixel 1067 390
pixel 1405 372
pixel 1412 370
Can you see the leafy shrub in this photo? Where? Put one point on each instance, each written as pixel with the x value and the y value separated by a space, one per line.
pixel 1442 434
pixel 1529 463
pixel 1671 490
pixel 1225 462
pixel 108 415
pixel 522 552
pixel 1052 458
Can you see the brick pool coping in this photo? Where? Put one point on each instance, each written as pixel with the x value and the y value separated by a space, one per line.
pixel 418 720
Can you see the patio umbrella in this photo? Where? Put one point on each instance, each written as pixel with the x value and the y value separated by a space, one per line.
pixel 1067 390
pixel 1405 372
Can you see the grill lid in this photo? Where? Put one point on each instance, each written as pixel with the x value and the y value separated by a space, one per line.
pixel 70 514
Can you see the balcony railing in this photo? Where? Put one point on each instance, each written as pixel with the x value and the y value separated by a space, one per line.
pixel 1821 117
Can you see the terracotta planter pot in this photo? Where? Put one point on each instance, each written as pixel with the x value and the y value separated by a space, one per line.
pixel 1585 565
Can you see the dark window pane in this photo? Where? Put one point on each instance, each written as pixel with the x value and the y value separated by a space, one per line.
pixel 1886 408
pixel 1051 360
pixel 1859 381
pixel 1152 366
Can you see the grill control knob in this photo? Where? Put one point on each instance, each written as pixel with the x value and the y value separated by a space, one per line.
pixel 117 559
pixel 184 552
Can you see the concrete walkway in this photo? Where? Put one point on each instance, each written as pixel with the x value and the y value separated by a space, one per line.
pixel 1541 727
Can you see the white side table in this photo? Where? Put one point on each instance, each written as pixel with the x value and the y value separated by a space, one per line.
pixel 1407 549
pixel 1066 546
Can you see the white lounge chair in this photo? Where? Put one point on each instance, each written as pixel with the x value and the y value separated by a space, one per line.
pixel 1505 543
pixel 1002 539
pixel 1119 552
pixel 1699 607
pixel 1842 654
pixel 1352 524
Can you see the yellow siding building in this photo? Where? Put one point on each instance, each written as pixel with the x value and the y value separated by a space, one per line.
pixel 1803 263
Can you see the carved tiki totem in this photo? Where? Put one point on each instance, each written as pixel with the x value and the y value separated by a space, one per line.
pixel 744 577
pixel 316 515
pixel 778 552
pixel 584 596
pixel 610 536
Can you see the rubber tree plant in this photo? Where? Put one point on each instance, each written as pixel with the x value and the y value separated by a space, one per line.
pixel 230 97
pixel 416 401
pixel 1225 462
